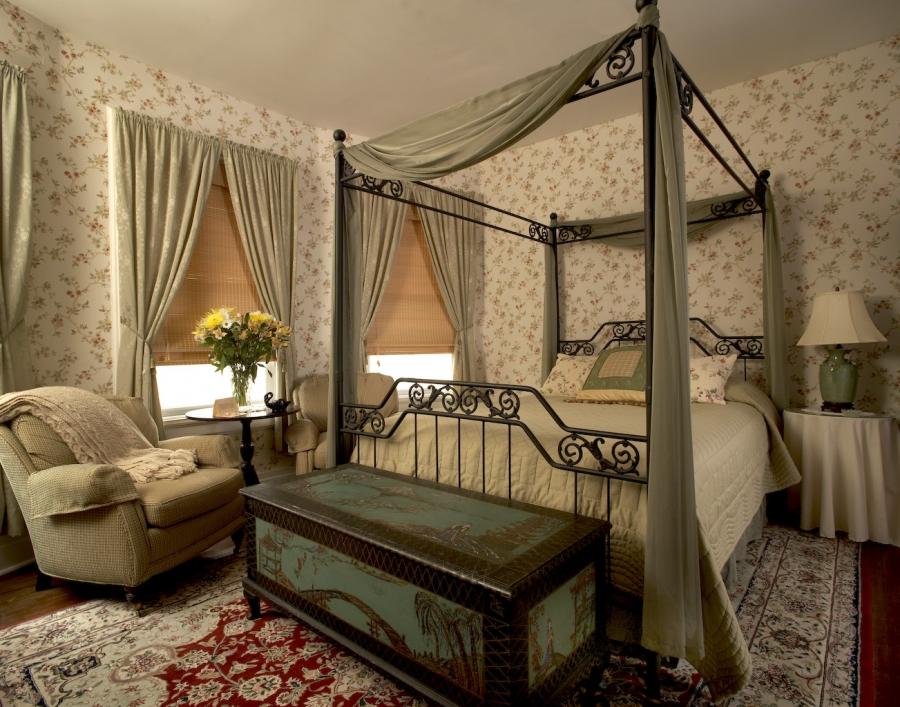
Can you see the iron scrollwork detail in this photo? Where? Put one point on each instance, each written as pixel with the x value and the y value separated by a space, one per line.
pixel 685 91
pixel 378 186
pixel 565 234
pixel 736 207
pixel 465 400
pixel 744 346
pixel 573 348
pixel 356 419
pixel 629 331
pixel 539 232
pixel 623 455
pixel 621 61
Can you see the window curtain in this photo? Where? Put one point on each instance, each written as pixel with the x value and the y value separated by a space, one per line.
pixel 15 256
pixel 454 246
pixel 376 227
pixel 161 178
pixel 264 193
pixel 773 307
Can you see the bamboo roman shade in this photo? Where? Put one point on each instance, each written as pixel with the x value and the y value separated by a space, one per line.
pixel 218 275
pixel 411 318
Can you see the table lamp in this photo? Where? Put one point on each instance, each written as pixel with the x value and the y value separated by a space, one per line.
pixel 839 318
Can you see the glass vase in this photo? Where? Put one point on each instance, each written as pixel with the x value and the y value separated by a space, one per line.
pixel 240 387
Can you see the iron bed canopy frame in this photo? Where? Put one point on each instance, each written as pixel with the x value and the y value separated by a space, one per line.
pixel 500 403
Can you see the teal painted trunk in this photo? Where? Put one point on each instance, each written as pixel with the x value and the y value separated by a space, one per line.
pixel 560 624
pixel 465 597
pixel 438 633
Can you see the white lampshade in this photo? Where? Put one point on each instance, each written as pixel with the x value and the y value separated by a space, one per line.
pixel 840 317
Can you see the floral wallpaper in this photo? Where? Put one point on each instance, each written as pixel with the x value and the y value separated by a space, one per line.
pixel 829 131
pixel 70 82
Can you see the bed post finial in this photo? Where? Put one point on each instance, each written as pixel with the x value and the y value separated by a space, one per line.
pixel 762 183
pixel 641 4
pixel 339 135
pixel 553 218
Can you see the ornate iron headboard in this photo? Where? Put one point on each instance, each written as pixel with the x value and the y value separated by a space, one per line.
pixel 747 348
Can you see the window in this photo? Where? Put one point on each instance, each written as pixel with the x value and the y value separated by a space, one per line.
pixel 218 275
pixel 411 335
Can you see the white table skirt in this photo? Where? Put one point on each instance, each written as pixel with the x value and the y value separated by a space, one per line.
pixel 851 474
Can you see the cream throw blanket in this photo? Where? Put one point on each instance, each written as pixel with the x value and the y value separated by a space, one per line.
pixel 98 432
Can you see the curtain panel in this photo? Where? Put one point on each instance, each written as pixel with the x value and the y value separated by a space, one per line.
pixel 376 227
pixel 264 191
pixel 773 307
pixel 161 176
pixel 455 249
pixel 672 616
pixel 15 256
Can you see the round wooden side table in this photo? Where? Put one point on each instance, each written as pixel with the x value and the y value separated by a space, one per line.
pixel 246 419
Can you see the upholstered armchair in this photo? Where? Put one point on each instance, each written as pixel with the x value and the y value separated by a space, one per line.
pixel 306 435
pixel 92 523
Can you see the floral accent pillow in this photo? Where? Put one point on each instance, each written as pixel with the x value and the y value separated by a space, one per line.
pixel 568 375
pixel 708 377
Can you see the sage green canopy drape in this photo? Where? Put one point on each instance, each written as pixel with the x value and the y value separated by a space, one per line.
pixel 477 129
pixel 15 256
pixel 162 176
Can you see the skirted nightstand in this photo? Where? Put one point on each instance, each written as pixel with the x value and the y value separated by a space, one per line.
pixel 850 464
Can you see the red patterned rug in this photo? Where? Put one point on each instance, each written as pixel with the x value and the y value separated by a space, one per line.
pixel 195 646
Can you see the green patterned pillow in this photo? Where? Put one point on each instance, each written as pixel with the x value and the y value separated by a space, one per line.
pixel 618 376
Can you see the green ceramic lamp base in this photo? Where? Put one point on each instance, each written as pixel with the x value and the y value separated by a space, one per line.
pixel 837 381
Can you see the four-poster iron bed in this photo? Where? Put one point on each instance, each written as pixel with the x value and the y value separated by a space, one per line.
pixel 679 581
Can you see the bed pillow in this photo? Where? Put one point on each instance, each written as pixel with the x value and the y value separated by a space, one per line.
pixel 619 375
pixel 709 375
pixel 568 375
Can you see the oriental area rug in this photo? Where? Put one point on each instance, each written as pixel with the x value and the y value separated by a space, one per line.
pixel 193 645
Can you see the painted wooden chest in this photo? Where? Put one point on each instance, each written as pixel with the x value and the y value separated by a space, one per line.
pixel 465 597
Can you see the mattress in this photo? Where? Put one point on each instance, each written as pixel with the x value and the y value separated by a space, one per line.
pixel 738 458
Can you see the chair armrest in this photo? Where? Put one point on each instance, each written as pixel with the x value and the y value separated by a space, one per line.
pixel 301 436
pixel 73 488
pixel 212 450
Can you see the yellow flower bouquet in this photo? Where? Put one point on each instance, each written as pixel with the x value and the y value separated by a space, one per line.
pixel 242 342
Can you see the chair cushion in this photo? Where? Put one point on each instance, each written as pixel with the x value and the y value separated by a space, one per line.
pixel 171 501
pixel 43 445
pixel 135 409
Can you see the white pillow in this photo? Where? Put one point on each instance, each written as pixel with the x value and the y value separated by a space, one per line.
pixel 708 377
pixel 568 375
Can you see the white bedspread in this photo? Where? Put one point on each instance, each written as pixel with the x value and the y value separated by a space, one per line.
pixel 738 457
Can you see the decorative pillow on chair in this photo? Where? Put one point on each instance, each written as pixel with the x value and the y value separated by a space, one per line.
pixel 708 377
pixel 568 375
pixel 619 375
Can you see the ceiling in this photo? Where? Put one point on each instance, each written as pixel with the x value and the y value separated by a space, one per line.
pixel 371 65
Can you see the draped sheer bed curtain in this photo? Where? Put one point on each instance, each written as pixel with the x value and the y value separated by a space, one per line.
pixel 161 177
pixel 474 130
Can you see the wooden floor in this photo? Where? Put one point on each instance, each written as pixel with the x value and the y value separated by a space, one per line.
pixel 879 627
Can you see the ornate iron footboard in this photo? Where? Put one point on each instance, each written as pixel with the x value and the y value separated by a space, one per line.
pixel 615 454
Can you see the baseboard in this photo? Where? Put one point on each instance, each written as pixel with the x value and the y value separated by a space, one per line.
pixel 15 553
